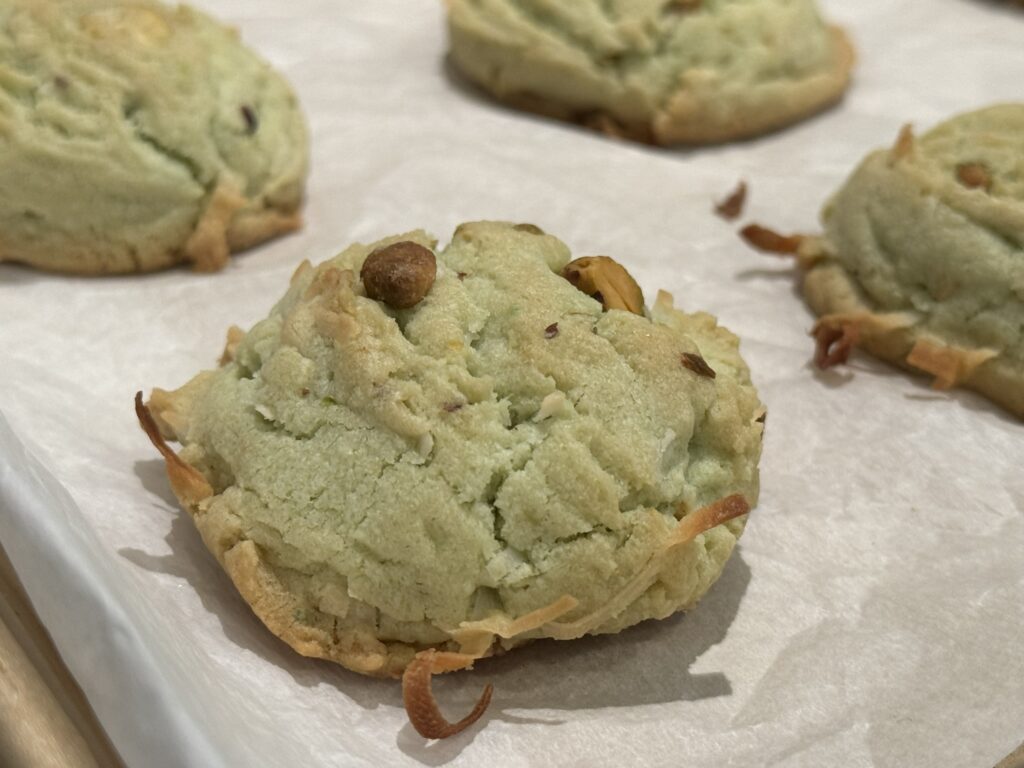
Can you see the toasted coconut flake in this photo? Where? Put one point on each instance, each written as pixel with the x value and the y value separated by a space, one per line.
pixel 475 637
pixel 732 207
pixel 974 176
pixel 235 336
pixel 834 341
pixel 697 364
pixel 904 146
pixel 706 518
pixel 188 483
pixel 420 704
pixel 768 240
pixel 949 365
pixel 689 528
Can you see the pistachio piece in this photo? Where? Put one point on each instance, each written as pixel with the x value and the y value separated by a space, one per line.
pixel 399 274
pixel 606 280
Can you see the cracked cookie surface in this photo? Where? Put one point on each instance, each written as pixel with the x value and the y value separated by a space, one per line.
pixel 660 71
pixel 135 136
pixel 374 478
pixel 924 252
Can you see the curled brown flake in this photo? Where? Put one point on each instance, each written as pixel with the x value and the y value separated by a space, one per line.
pixel 974 176
pixel 770 241
pixel 252 123
pixel 453 407
pixel 732 207
pixel 697 364
pixel 421 706
pixel 834 342
pixel 148 424
pixel 460 275
pixel 551 331
pixel 187 482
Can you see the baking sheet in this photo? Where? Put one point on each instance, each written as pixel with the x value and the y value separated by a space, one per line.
pixel 873 612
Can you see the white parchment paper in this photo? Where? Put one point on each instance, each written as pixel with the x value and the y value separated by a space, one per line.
pixel 874 612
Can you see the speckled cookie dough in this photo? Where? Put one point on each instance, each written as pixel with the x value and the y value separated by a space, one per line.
pixel 509 457
pixel 135 136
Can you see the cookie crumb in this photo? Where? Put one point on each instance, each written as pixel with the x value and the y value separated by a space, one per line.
pixel 732 207
pixel 551 331
pixel 421 706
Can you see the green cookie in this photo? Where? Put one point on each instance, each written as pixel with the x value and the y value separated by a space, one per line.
pixel 503 461
pixel 924 254
pixel 661 71
pixel 134 136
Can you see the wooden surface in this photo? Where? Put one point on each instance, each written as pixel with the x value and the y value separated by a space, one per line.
pixel 1015 760
pixel 45 720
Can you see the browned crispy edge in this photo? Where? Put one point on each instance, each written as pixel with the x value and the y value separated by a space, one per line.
pixel 830 291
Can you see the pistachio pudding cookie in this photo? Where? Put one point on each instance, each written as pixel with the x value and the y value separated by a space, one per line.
pixel 922 260
pixel 423 457
pixel 658 71
pixel 135 136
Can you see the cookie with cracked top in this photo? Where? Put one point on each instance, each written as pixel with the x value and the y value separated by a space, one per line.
pixel 922 260
pixel 508 456
pixel 137 136
pixel 658 71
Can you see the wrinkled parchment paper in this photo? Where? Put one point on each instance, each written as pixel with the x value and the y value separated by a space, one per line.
pixel 874 613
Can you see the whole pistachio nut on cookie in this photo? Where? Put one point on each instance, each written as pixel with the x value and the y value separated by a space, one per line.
pixel 135 136
pixel 659 71
pixel 922 260
pixel 505 460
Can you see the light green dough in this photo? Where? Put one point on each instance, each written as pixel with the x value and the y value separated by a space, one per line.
pixel 134 136
pixel 653 69
pixel 907 239
pixel 402 472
